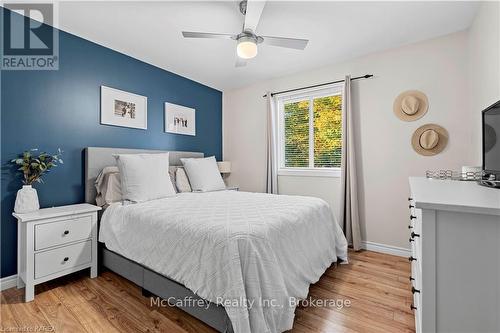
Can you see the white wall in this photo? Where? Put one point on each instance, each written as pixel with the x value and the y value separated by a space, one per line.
pixel 438 67
pixel 484 62
pixel 327 189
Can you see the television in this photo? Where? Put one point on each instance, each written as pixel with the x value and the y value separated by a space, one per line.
pixel 491 145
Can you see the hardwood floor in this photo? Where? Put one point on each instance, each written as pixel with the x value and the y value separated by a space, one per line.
pixel 376 285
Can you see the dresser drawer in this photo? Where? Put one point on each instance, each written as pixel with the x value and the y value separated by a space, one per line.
pixel 416 275
pixel 62 232
pixel 417 303
pixel 60 259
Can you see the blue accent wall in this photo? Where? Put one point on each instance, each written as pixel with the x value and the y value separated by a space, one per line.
pixel 51 109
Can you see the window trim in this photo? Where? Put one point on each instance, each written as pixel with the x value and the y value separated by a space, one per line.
pixel 306 94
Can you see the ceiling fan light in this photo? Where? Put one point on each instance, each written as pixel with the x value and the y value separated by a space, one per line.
pixel 247 48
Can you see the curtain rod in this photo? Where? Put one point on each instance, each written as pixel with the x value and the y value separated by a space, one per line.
pixel 367 76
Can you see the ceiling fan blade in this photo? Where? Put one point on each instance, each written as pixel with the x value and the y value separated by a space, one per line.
pixel 291 43
pixel 192 34
pixel 253 14
pixel 240 62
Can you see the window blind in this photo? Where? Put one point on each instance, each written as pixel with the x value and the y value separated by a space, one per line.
pixel 312 131
pixel 327 131
pixel 296 116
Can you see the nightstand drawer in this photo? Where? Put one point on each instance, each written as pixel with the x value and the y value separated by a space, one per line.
pixel 53 261
pixel 62 232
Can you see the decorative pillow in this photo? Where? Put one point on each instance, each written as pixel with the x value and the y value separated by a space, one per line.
pixel 171 173
pixel 144 177
pixel 182 181
pixel 203 174
pixel 108 186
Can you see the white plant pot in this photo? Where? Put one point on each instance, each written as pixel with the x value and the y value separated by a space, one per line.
pixel 26 200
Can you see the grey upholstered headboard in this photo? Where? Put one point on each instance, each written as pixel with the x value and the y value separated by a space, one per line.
pixel 97 158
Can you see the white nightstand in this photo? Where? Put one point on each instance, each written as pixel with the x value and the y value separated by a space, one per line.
pixel 53 242
pixel 232 188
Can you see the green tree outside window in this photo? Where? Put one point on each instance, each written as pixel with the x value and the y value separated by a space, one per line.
pixel 327 128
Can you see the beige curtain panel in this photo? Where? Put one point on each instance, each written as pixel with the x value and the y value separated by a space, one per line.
pixel 272 163
pixel 349 213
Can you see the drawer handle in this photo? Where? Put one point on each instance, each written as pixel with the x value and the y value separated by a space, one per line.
pixel 413 235
pixel 413 307
pixel 410 226
pixel 411 206
pixel 412 259
pixel 413 290
pixel 410 198
pixel 66 259
pixel 411 240
pixel 411 279
pixel 66 232
pixel 412 217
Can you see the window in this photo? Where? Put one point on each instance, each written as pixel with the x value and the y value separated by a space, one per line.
pixel 310 132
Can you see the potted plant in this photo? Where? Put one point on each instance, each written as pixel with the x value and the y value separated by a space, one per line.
pixel 33 167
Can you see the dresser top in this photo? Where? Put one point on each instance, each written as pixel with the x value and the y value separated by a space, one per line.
pixel 451 195
pixel 46 213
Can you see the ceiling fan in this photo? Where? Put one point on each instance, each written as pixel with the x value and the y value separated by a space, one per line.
pixel 248 40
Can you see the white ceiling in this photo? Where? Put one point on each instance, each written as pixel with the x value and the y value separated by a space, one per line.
pixel 151 31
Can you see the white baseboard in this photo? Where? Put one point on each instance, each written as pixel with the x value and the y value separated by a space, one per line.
pixel 8 282
pixel 383 248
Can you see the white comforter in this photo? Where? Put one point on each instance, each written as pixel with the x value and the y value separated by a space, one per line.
pixel 250 252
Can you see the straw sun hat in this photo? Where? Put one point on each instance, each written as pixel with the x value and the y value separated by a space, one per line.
pixel 411 105
pixel 429 139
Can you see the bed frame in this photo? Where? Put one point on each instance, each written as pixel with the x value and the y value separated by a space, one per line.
pixel 96 158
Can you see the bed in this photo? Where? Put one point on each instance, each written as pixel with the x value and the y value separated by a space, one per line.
pixel 244 256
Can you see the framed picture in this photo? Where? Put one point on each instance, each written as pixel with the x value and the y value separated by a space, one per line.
pixel 121 108
pixel 180 119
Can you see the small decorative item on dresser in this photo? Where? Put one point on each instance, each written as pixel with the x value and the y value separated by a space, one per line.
pixel 32 167
pixel 454 175
pixel 26 200
pixel 472 172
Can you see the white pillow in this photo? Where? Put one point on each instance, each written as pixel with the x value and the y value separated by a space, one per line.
pixel 171 173
pixel 108 186
pixel 144 176
pixel 203 174
pixel 182 181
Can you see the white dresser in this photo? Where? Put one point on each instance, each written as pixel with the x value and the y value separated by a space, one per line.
pixel 455 241
pixel 56 241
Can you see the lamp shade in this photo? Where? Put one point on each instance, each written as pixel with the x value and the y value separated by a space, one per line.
pixel 224 166
pixel 246 48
